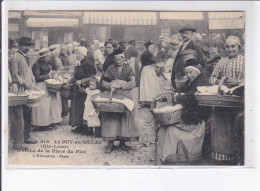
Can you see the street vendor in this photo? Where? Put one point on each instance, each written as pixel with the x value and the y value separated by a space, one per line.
pixel 232 68
pixel 124 126
pixel 182 142
pixel 23 77
pixel 48 112
pixel 82 71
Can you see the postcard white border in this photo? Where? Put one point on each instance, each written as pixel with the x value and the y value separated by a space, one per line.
pixel 251 110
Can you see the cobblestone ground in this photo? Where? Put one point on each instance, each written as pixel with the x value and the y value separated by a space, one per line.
pixel 142 152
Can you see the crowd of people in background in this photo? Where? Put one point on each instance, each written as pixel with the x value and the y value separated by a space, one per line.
pixel 181 63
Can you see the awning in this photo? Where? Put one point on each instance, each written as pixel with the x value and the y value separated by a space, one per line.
pixel 226 20
pixel 14 15
pixel 181 15
pixel 52 22
pixel 120 18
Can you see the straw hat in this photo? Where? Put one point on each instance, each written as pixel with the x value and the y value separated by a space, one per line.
pixel 44 52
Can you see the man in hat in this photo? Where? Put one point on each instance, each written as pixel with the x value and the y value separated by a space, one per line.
pixel 179 65
pixel 23 77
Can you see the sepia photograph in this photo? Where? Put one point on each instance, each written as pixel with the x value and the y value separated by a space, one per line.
pixel 126 88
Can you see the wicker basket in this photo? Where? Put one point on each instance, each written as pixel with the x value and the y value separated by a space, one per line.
pixel 166 118
pixel 219 100
pixel 108 106
pixel 17 100
pixel 53 87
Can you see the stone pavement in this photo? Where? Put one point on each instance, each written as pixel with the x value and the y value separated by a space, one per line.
pixel 90 149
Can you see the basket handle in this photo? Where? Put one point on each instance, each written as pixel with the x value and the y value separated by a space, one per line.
pixel 153 104
pixel 220 84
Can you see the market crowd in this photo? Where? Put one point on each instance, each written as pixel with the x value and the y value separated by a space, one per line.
pixel 179 63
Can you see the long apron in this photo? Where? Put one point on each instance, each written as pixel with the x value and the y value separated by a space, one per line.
pixel 149 84
pixel 181 142
pixel 222 124
pixel 41 112
pixel 121 125
pixel 48 111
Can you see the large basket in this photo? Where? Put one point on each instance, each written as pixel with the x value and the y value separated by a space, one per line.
pixel 108 106
pixel 219 100
pixel 17 100
pixel 166 118
pixel 53 87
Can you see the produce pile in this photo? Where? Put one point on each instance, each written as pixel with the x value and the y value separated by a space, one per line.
pixel 34 94
pixel 13 95
pixel 53 81
pixel 211 90
pixel 168 109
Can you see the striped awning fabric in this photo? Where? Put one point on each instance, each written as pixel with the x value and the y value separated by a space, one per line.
pixel 52 22
pixel 226 20
pixel 181 15
pixel 120 18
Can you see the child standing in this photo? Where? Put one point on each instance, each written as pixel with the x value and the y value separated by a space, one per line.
pixel 90 116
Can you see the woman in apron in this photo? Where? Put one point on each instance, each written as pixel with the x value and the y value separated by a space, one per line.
pixel 223 119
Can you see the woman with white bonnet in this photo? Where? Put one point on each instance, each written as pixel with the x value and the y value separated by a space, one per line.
pixel 232 69
pixel 82 71
pixel 182 142
pixel 48 112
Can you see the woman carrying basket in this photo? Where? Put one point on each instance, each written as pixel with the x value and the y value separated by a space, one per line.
pixel 49 109
pixel 182 142
pixel 119 126
pixel 232 68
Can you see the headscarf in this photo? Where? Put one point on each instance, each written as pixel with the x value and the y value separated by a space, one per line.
pixel 82 50
pixel 233 39
pixel 193 68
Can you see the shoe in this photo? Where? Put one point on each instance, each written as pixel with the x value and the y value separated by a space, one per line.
pixel 75 129
pixel 123 146
pixel 109 148
pixel 30 141
pixel 20 147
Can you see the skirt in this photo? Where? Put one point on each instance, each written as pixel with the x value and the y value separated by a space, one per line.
pixel 121 125
pixel 222 125
pixel 48 111
pixel 181 142
pixel 149 84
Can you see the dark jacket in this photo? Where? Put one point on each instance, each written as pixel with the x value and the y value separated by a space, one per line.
pixel 108 62
pixel 41 70
pixel 147 59
pixel 64 60
pixel 85 70
pixel 192 112
pixel 179 66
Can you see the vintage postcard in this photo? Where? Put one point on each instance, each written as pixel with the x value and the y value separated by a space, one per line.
pixel 125 88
